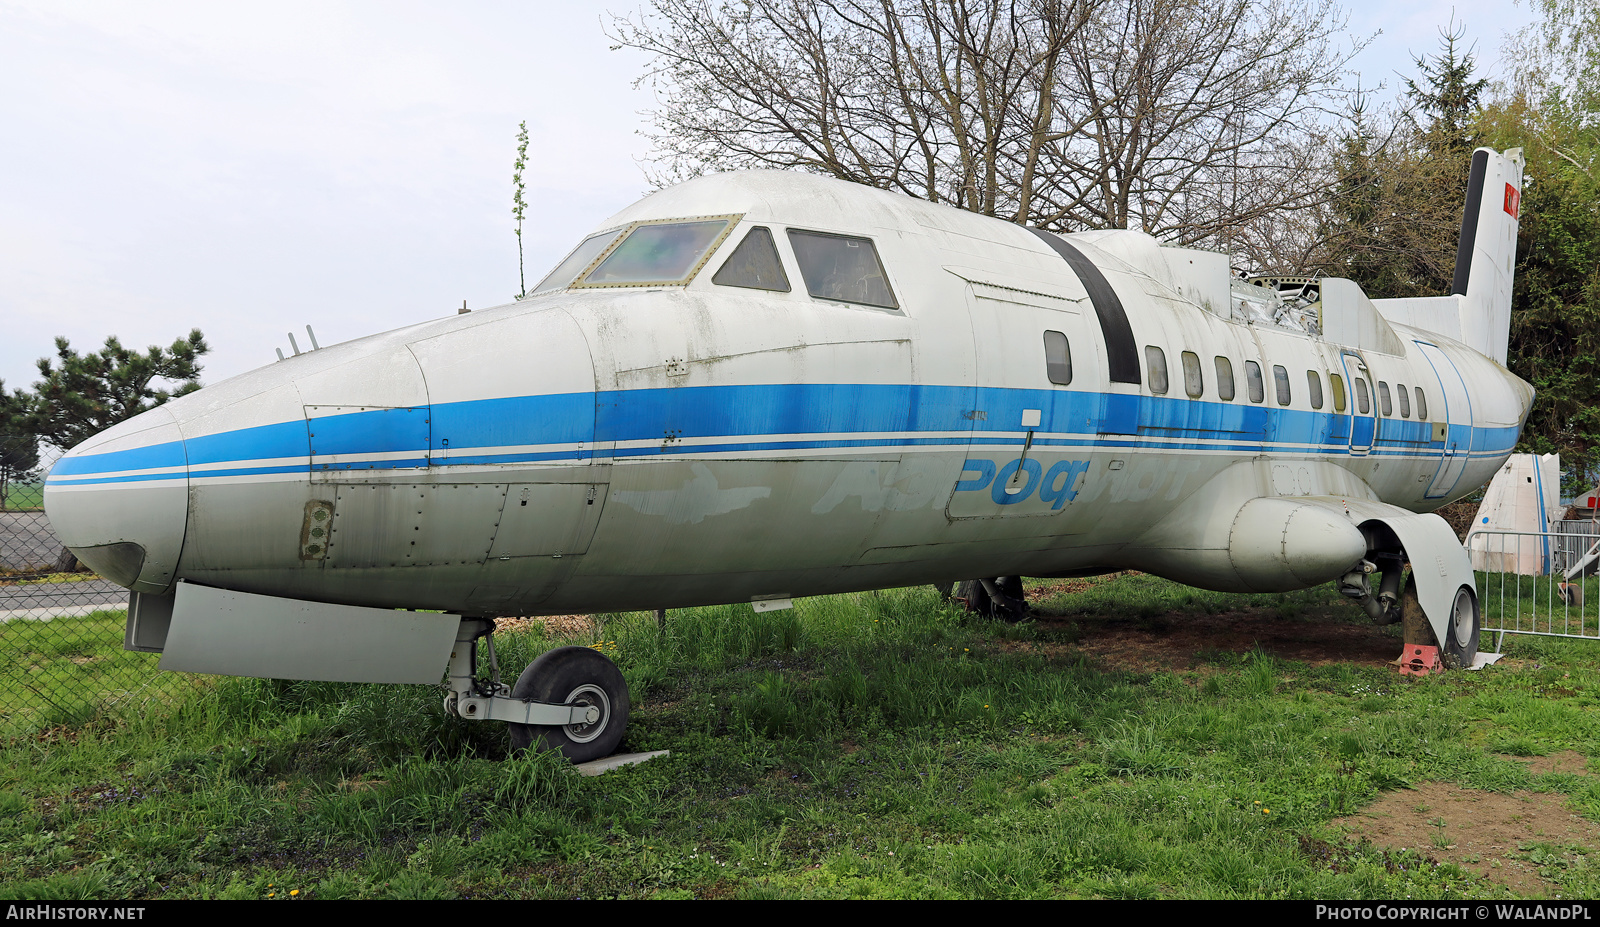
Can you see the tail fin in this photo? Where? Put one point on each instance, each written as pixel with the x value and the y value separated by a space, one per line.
pixel 1478 310
pixel 1487 252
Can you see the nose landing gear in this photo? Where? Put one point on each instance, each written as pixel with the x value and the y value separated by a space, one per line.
pixel 571 699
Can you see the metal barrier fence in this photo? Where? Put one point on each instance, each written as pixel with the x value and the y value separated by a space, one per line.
pixel 1538 582
pixel 61 627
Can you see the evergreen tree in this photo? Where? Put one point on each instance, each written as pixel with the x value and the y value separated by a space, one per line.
pixel 19 451
pixel 1395 218
pixel 82 395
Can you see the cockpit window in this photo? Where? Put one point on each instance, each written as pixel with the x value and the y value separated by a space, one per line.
pixel 754 264
pixel 667 253
pixel 581 257
pixel 842 267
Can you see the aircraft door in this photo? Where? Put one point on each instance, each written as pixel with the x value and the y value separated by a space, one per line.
pixel 1039 378
pixel 1455 432
pixel 1362 404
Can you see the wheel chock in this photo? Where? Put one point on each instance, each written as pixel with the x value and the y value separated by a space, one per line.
pixel 1419 660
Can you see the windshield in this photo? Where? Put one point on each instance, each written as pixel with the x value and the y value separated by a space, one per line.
pixel 660 253
pixel 580 258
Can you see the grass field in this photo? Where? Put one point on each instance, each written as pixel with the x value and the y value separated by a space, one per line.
pixel 22 497
pixel 1145 740
pixel 78 655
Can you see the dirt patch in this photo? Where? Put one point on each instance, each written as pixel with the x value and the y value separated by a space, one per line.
pixel 1479 831
pixel 1567 763
pixel 1181 642
pixel 554 625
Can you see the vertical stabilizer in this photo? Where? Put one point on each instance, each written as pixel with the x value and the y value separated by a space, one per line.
pixel 1487 252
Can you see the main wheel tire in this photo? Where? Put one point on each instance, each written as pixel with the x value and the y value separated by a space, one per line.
pixel 976 598
pixel 573 676
pixel 1466 626
pixel 979 601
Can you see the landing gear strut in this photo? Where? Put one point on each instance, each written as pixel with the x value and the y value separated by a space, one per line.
pixel 572 699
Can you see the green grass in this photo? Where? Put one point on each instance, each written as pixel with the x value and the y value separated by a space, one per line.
pixel 1534 603
pixel 878 745
pixel 22 497
pixel 68 670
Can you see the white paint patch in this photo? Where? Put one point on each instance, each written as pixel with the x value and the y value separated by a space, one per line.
pixel 698 499
pixel 898 486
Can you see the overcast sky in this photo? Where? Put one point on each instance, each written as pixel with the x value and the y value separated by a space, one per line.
pixel 251 168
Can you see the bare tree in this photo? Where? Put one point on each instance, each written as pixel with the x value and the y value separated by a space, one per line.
pixel 1184 119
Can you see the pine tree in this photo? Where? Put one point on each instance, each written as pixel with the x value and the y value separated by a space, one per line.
pixel 82 395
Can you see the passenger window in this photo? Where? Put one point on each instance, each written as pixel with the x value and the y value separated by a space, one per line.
pixel 1314 385
pixel 1192 382
pixel 1337 382
pixel 1383 399
pixel 1401 394
pixel 1156 360
pixel 754 264
pixel 1280 379
pixel 581 257
pixel 1057 358
pixel 1422 405
pixel 659 253
pixel 1252 378
pixel 1225 379
pixel 1362 402
pixel 843 268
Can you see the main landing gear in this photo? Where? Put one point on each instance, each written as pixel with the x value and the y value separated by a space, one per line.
pixel 1424 650
pixel 571 699
pixel 999 597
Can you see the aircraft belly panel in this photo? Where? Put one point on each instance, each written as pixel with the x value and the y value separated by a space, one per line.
pixel 268 539
pixel 413 524
pixel 548 519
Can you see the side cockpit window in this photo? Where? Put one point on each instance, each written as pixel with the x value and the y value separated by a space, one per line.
pixel 580 258
pixel 842 267
pixel 754 264
pixel 659 253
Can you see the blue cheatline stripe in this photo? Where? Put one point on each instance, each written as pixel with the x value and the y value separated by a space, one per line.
pixel 581 420
pixel 150 457
pixel 402 429
pixel 565 418
pixel 261 442
pixel 779 409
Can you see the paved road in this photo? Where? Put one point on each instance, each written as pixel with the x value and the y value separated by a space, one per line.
pixel 43 601
pixel 26 542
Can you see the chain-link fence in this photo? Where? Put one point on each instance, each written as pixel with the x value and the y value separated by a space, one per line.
pixel 61 626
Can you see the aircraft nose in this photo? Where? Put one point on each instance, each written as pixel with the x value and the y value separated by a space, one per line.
pixel 119 501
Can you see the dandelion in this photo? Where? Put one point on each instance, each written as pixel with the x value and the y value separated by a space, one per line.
pixel 295 892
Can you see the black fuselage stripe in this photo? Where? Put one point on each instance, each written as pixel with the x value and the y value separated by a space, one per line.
pixel 1122 353
pixel 1469 223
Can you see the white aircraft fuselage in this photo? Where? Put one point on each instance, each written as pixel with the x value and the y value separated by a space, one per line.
pixel 620 443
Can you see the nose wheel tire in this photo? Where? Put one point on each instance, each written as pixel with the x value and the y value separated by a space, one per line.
pixel 1466 624
pixel 573 676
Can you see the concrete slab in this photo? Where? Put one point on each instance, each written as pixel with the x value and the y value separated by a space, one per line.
pixel 607 763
